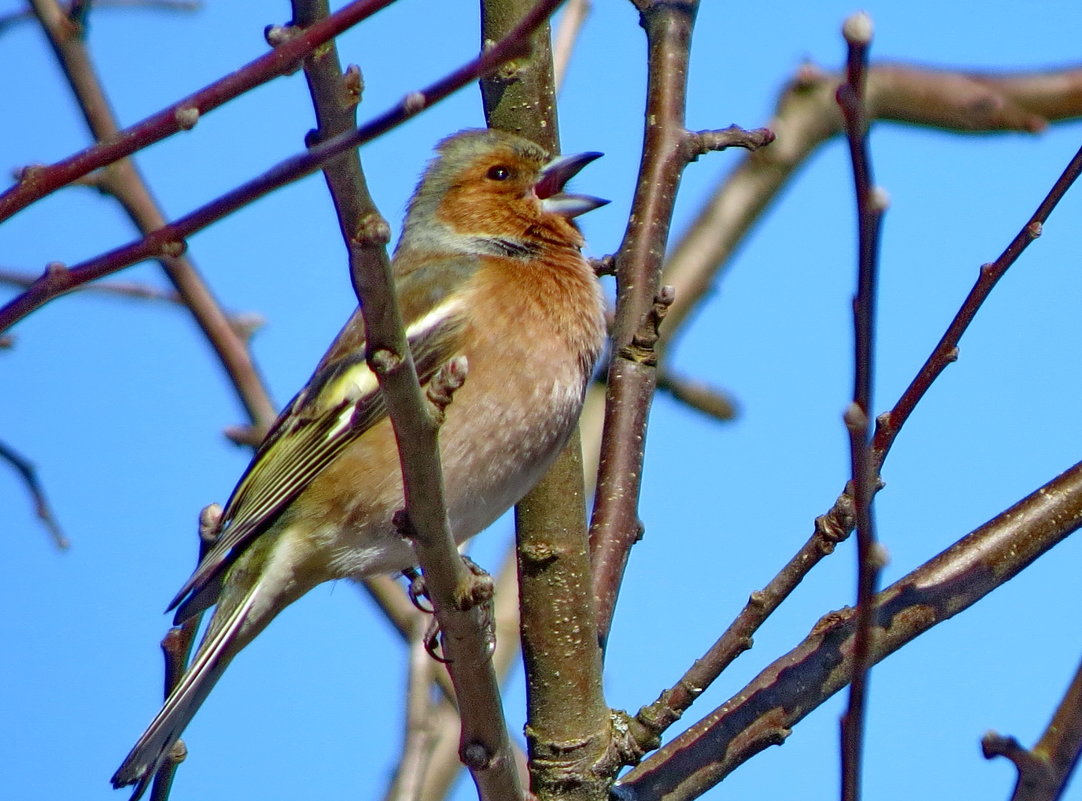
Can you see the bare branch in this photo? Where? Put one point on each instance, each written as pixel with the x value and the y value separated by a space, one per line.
pixel 37 181
pixel 29 475
pixel 807 115
pixel 858 35
pixel 1043 772
pixel 764 712
pixel 244 324
pixel 169 240
pixel 176 649
pixel 568 729
pixel 835 525
pixel 128 187
pixel 698 395
pixel 615 526
pixel 13 17
pixel 421 715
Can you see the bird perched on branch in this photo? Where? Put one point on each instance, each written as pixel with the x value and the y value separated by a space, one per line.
pixel 489 267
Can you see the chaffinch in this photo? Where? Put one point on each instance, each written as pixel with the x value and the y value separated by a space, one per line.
pixel 488 266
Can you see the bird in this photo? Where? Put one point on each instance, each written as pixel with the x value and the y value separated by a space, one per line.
pixel 489 267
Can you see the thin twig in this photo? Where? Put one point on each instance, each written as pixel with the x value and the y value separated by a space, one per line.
pixel 29 474
pixel 11 18
pixel 37 181
pixel 125 183
pixel 244 324
pixel 697 395
pixel 421 714
pixel 176 649
pixel 169 240
pixel 858 36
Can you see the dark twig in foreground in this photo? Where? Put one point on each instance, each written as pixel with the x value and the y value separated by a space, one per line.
pixel 29 475
pixel 858 35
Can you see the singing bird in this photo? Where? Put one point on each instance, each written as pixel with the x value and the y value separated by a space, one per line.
pixel 489 266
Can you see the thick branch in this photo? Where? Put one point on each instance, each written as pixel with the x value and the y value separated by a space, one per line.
pixel 568 728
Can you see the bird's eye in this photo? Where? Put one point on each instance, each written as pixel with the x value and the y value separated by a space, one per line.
pixel 499 173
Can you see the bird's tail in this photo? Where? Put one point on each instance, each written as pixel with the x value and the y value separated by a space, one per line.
pixel 229 631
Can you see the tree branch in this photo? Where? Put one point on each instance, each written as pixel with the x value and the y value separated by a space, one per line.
pixel 858 35
pixel 126 184
pixel 1043 772
pixel 568 730
pixel 806 116
pixel 169 240
pixel 764 712
pixel 836 524
pixel 667 148
pixel 29 474
pixel 38 181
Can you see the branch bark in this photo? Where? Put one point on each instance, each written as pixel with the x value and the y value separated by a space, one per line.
pixel 764 712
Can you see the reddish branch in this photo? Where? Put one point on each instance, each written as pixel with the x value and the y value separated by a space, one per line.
pixel 169 240
pixel 37 181
pixel 668 147
pixel 123 181
pixel 858 34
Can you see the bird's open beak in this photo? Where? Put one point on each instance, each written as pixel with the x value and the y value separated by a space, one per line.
pixel 550 187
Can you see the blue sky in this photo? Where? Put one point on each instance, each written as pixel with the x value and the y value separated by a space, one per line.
pixel 121 405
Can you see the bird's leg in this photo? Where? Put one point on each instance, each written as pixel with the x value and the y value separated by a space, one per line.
pixel 479 593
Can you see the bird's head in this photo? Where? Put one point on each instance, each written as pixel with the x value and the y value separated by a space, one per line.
pixel 494 193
